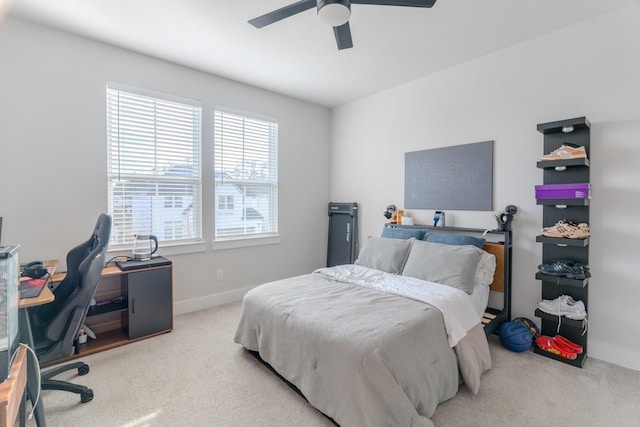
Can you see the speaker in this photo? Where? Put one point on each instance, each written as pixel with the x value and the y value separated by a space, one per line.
pixel 35 270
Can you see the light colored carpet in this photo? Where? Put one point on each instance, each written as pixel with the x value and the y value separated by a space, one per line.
pixel 197 376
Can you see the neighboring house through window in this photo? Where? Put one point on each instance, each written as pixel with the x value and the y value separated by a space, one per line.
pixel 246 175
pixel 154 146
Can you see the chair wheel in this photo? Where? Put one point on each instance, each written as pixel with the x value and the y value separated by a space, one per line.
pixel 83 370
pixel 86 396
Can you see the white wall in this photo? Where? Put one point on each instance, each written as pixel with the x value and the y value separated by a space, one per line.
pixel 591 70
pixel 53 157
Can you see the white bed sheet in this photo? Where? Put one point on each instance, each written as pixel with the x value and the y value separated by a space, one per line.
pixel 480 299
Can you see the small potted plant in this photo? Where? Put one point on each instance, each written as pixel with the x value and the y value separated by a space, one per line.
pixel 502 219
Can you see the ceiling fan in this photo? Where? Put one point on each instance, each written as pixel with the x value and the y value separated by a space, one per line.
pixel 335 13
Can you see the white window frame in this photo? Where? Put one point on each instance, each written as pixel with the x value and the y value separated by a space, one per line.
pixel 243 141
pixel 174 141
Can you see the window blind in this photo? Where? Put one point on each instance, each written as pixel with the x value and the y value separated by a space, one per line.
pixel 246 175
pixel 154 180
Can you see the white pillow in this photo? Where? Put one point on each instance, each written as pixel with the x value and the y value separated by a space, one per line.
pixel 486 269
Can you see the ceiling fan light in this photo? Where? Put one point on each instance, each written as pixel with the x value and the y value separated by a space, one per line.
pixel 334 12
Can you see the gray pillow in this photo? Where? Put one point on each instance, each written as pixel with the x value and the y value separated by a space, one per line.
pixel 384 254
pixel 453 265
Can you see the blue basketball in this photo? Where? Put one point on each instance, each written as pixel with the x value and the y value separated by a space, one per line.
pixel 529 324
pixel 515 336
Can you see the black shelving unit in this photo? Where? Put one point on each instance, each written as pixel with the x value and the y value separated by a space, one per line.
pixel 569 171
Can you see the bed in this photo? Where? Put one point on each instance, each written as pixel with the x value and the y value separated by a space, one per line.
pixel 383 341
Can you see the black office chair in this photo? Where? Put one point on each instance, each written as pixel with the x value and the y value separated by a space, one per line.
pixel 55 326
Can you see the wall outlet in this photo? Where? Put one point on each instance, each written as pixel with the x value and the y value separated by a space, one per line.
pixel 219 274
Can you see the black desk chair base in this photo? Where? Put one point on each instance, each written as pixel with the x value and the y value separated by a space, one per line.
pixel 48 383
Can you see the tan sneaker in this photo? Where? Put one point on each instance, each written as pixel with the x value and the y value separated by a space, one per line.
pixel 566 151
pixel 562 228
pixel 581 232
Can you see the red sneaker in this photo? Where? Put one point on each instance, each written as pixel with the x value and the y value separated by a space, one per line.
pixel 552 346
pixel 569 344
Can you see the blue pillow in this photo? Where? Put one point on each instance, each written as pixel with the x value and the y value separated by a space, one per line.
pixel 402 233
pixel 456 239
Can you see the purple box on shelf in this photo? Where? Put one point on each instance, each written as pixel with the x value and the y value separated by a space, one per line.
pixel 563 191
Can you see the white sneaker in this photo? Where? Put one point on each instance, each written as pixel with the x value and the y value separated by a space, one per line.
pixel 564 305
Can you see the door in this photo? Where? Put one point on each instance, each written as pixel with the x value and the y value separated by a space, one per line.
pixel 150 302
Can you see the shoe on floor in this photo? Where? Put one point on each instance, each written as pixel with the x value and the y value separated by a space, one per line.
pixel 564 305
pixel 566 151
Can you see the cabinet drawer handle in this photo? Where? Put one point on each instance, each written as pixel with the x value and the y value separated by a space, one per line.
pixel 561 244
pixel 133 306
pixel 561 206
pixel 560 168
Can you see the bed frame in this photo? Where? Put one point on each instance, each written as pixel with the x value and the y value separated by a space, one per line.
pixel 500 244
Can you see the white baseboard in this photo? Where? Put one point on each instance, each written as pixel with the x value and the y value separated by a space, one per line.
pixel 625 357
pixel 196 304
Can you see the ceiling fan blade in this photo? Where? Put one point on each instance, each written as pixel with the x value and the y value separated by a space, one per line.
pixel 408 3
pixel 343 36
pixel 283 12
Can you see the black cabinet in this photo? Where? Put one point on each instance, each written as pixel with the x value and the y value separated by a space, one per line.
pixel 564 171
pixel 150 308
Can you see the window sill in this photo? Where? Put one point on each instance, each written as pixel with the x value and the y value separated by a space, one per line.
pixel 165 250
pixel 244 242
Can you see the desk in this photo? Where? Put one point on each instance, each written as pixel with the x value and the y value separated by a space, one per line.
pixel 26 337
pixel 46 296
pixel 12 391
pixel 131 306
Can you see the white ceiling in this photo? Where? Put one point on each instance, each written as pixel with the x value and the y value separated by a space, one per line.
pixel 298 56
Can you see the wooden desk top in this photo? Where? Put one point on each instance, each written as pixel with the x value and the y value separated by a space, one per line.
pixel 46 296
pixel 12 389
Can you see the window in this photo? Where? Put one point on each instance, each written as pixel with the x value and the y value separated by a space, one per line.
pixel 153 166
pixel 225 202
pixel 172 201
pixel 173 230
pixel 246 175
